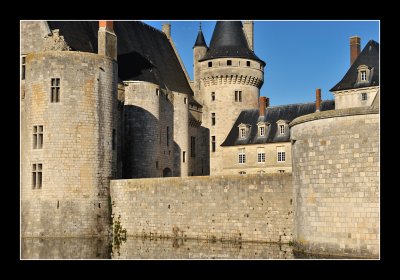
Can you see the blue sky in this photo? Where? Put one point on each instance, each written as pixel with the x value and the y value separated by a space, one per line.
pixel 300 56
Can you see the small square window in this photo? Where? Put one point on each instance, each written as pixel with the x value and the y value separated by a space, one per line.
pixel 248 63
pixel 210 64
pixel 229 62
pixel 364 96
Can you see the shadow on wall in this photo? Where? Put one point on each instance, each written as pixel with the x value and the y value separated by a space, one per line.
pixel 145 153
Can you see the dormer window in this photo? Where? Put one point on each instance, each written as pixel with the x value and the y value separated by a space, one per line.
pixel 261 131
pixel 262 128
pixel 243 130
pixel 282 127
pixel 364 73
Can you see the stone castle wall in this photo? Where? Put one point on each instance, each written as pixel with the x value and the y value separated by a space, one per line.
pixel 241 208
pixel 336 182
pixel 77 157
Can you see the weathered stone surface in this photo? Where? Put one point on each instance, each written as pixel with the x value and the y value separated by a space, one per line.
pixel 248 208
pixel 336 182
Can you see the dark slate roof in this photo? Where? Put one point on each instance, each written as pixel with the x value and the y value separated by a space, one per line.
pixel 370 57
pixel 144 53
pixel 272 115
pixel 200 41
pixel 228 40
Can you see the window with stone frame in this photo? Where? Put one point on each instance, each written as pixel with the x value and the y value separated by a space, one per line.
pixel 242 156
pixel 212 96
pixel 243 133
pixel 281 154
pixel 238 96
pixel 364 96
pixel 261 131
pixel 363 75
pixel 55 90
pixel 37 175
pixel 212 118
pixel 260 155
pixel 38 137
pixel 281 129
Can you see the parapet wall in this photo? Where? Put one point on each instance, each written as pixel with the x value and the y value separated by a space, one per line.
pixel 336 182
pixel 236 208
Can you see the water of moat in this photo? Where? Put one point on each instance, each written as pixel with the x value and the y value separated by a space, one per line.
pixel 140 248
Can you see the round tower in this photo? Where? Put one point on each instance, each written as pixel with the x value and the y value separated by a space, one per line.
pixel 199 51
pixel 231 77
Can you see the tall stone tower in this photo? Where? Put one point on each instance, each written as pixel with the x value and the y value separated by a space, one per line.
pixel 68 138
pixel 231 76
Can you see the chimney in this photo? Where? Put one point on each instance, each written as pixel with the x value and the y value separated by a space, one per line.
pixel 248 27
pixel 317 99
pixel 166 29
pixel 107 40
pixel 263 105
pixel 355 48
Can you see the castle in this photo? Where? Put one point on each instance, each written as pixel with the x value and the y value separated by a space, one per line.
pixel 103 101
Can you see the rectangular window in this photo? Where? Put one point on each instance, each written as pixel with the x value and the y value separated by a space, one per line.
pixel 242 133
pixel 238 96
pixel 37 176
pixel 247 63
pixel 213 143
pixel 113 139
pixel 192 146
pixel 210 64
pixel 242 156
pixel 23 67
pixel 260 155
pixel 281 154
pixel 281 171
pixel 167 135
pixel 282 129
pixel 229 62
pixel 212 96
pixel 55 90
pixel 157 91
pixel 157 164
pixel 185 100
pixel 242 172
pixel 262 131
pixel 183 156
pixel 363 75
pixel 212 118
pixel 38 136
pixel 364 96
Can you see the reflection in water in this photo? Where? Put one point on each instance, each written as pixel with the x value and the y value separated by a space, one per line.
pixel 137 248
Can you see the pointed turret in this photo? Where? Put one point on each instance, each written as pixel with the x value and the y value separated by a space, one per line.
pixel 199 51
pixel 229 40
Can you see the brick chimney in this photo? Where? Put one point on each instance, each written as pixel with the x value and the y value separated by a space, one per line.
pixel 263 105
pixel 166 29
pixel 107 40
pixel 317 99
pixel 355 48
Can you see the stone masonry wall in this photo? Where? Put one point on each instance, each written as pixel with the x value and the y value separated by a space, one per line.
pixel 77 157
pixel 247 208
pixel 336 182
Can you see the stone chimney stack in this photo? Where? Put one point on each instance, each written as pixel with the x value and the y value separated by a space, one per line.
pixel 166 29
pixel 248 27
pixel 355 48
pixel 107 40
pixel 263 105
pixel 317 99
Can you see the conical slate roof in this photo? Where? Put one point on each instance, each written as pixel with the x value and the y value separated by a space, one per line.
pixel 200 42
pixel 369 57
pixel 228 40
